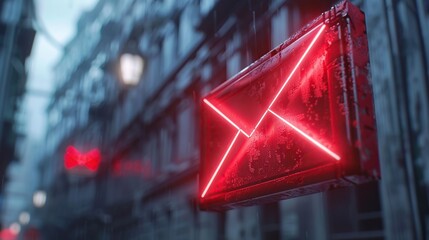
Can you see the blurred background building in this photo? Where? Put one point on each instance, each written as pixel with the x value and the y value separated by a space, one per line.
pixel 16 41
pixel 130 83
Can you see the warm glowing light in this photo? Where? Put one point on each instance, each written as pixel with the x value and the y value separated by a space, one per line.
pixel 39 198
pixel 332 154
pixel 15 228
pixel 73 158
pixel 220 164
pixel 24 218
pixel 131 68
pixel 335 156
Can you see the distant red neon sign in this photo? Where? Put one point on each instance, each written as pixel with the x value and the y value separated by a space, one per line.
pixel 75 159
pixel 287 125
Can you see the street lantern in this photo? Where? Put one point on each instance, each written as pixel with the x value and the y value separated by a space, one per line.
pixel 131 68
pixel 128 65
pixel 39 198
pixel 24 218
pixel 15 228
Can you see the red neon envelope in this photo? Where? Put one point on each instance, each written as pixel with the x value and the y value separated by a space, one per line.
pixel 286 122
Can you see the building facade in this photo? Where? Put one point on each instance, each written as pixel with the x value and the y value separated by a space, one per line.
pixel 16 41
pixel 146 185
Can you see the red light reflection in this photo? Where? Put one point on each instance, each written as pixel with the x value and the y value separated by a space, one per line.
pixel 132 168
pixel 8 234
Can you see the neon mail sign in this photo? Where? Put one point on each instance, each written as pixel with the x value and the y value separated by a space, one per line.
pixel 299 120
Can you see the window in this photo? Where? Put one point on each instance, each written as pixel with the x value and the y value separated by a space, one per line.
pixel 279 27
pixel 169 49
pixel 186 134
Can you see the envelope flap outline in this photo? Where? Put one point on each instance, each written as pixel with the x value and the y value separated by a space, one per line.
pixel 231 118
pixel 246 110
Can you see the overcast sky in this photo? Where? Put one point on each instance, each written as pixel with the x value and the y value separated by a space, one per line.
pixel 59 18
